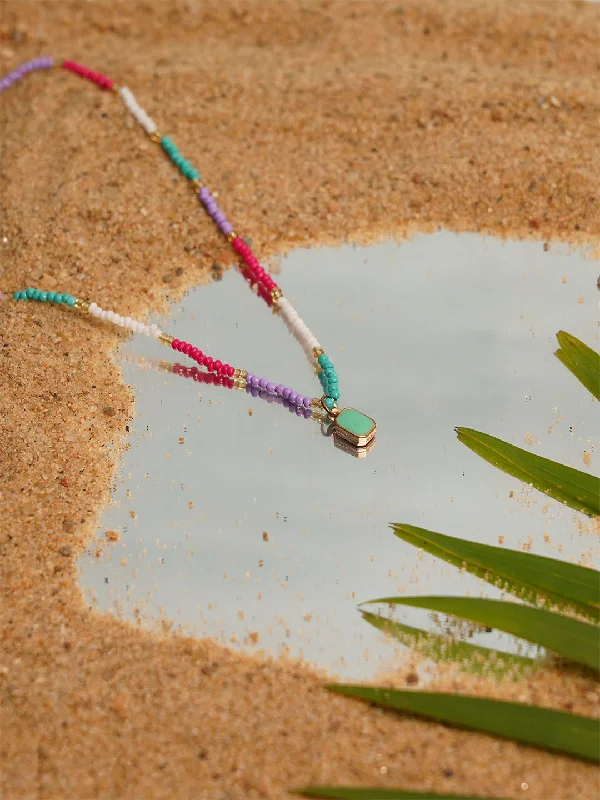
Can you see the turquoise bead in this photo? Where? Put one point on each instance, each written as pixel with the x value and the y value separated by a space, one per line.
pixel 23 295
pixel 29 292
pixel 329 403
pixel 194 175
pixel 322 358
pixel 71 301
pixel 166 142
pixel 335 393
pixel 36 294
pixel 43 296
pixel 58 299
pixel 17 296
pixel 51 296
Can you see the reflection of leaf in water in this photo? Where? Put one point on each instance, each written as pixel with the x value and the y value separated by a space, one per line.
pixel 529 577
pixel 581 360
pixel 576 489
pixel 575 640
pixel 542 727
pixel 467 657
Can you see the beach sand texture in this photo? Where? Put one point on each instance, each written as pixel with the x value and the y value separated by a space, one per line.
pixel 316 121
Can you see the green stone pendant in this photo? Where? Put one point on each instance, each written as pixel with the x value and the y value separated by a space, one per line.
pixel 354 427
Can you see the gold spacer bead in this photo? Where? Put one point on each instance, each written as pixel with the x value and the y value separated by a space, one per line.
pixel 318 351
pixel 197 184
pixel 82 305
pixel 166 365
pixel 231 236
pixel 166 338
pixel 316 402
pixel 276 294
pixel 155 137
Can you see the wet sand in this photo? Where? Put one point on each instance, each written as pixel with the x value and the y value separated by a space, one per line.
pixel 316 122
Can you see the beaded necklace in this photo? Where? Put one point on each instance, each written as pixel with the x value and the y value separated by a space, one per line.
pixel 350 425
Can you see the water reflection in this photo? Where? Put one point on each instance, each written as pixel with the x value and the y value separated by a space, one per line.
pixel 238 522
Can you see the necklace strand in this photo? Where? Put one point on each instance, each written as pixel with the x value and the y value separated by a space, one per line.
pixel 255 275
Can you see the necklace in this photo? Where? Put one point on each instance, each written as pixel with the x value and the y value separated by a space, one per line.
pixel 352 426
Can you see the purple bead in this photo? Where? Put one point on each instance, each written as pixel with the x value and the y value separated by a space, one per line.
pixel 286 392
pixel 204 194
pixel 227 228
pixel 307 402
pixel 293 397
pixel 279 388
pixel 220 217
pixel 270 387
pixel 307 413
pixel 255 392
pixel 255 380
pixel 249 377
pixel 300 400
pixel 263 383
pixel 269 398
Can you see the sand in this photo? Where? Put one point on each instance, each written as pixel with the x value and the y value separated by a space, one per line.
pixel 316 122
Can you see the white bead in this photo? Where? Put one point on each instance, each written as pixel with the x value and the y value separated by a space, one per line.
pixel 127 322
pixel 154 330
pixel 92 308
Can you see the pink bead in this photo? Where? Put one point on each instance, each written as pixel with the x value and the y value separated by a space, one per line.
pixel 175 344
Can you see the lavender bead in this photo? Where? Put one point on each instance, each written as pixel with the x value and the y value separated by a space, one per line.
pixel 293 397
pixel 308 402
pixel 220 217
pixel 270 387
pixel 227 228
pixel 307 413
pixel 204 194
pixel 263 383
pixel 279 388
pixel 255 380
pixel 286 393
pixel 299 400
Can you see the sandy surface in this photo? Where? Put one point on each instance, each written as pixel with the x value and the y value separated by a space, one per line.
pixel 316 121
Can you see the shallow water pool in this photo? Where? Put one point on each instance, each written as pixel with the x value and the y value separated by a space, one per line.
pixel 241 521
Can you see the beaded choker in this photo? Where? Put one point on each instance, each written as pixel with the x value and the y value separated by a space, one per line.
pixel 348 424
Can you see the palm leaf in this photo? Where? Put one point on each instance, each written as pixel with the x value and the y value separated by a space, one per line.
pixel 527 576
pixel 541 727
pixel 470 657
pixel 565 484
pixel 575 640
pixel 581 360
pixel 355 793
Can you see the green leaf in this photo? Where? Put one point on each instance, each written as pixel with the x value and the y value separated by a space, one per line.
pixel 565 484
pixel 569 637
pixel 541 727
pixel 469 657
pixel 527 576
pixel 355 793
pixel 581 360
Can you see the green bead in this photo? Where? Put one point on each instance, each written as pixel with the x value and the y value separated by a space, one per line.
pixel 58 299
pixel 29 292
pixel 329 403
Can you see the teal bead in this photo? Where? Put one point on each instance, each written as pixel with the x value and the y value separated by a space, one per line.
pixel 43 296
pixel 322 359
pixel 23 295
pixel 329 403
pixel 58 299
pixel 335 393
pixel 330 372
pixel 29 292
pixel 17 296
pixel 51 296
pixel 71 301
pixel 36 294
pixel 194 175
pixel 166 142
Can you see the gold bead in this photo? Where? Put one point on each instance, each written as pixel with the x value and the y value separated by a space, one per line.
pixel 197 184
pixel 276 294
pixel 318 351
pixel 166 365
pixel 231 236
pixel 316 402
pixel 82 305
pixel 166 338
pixel 155 137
